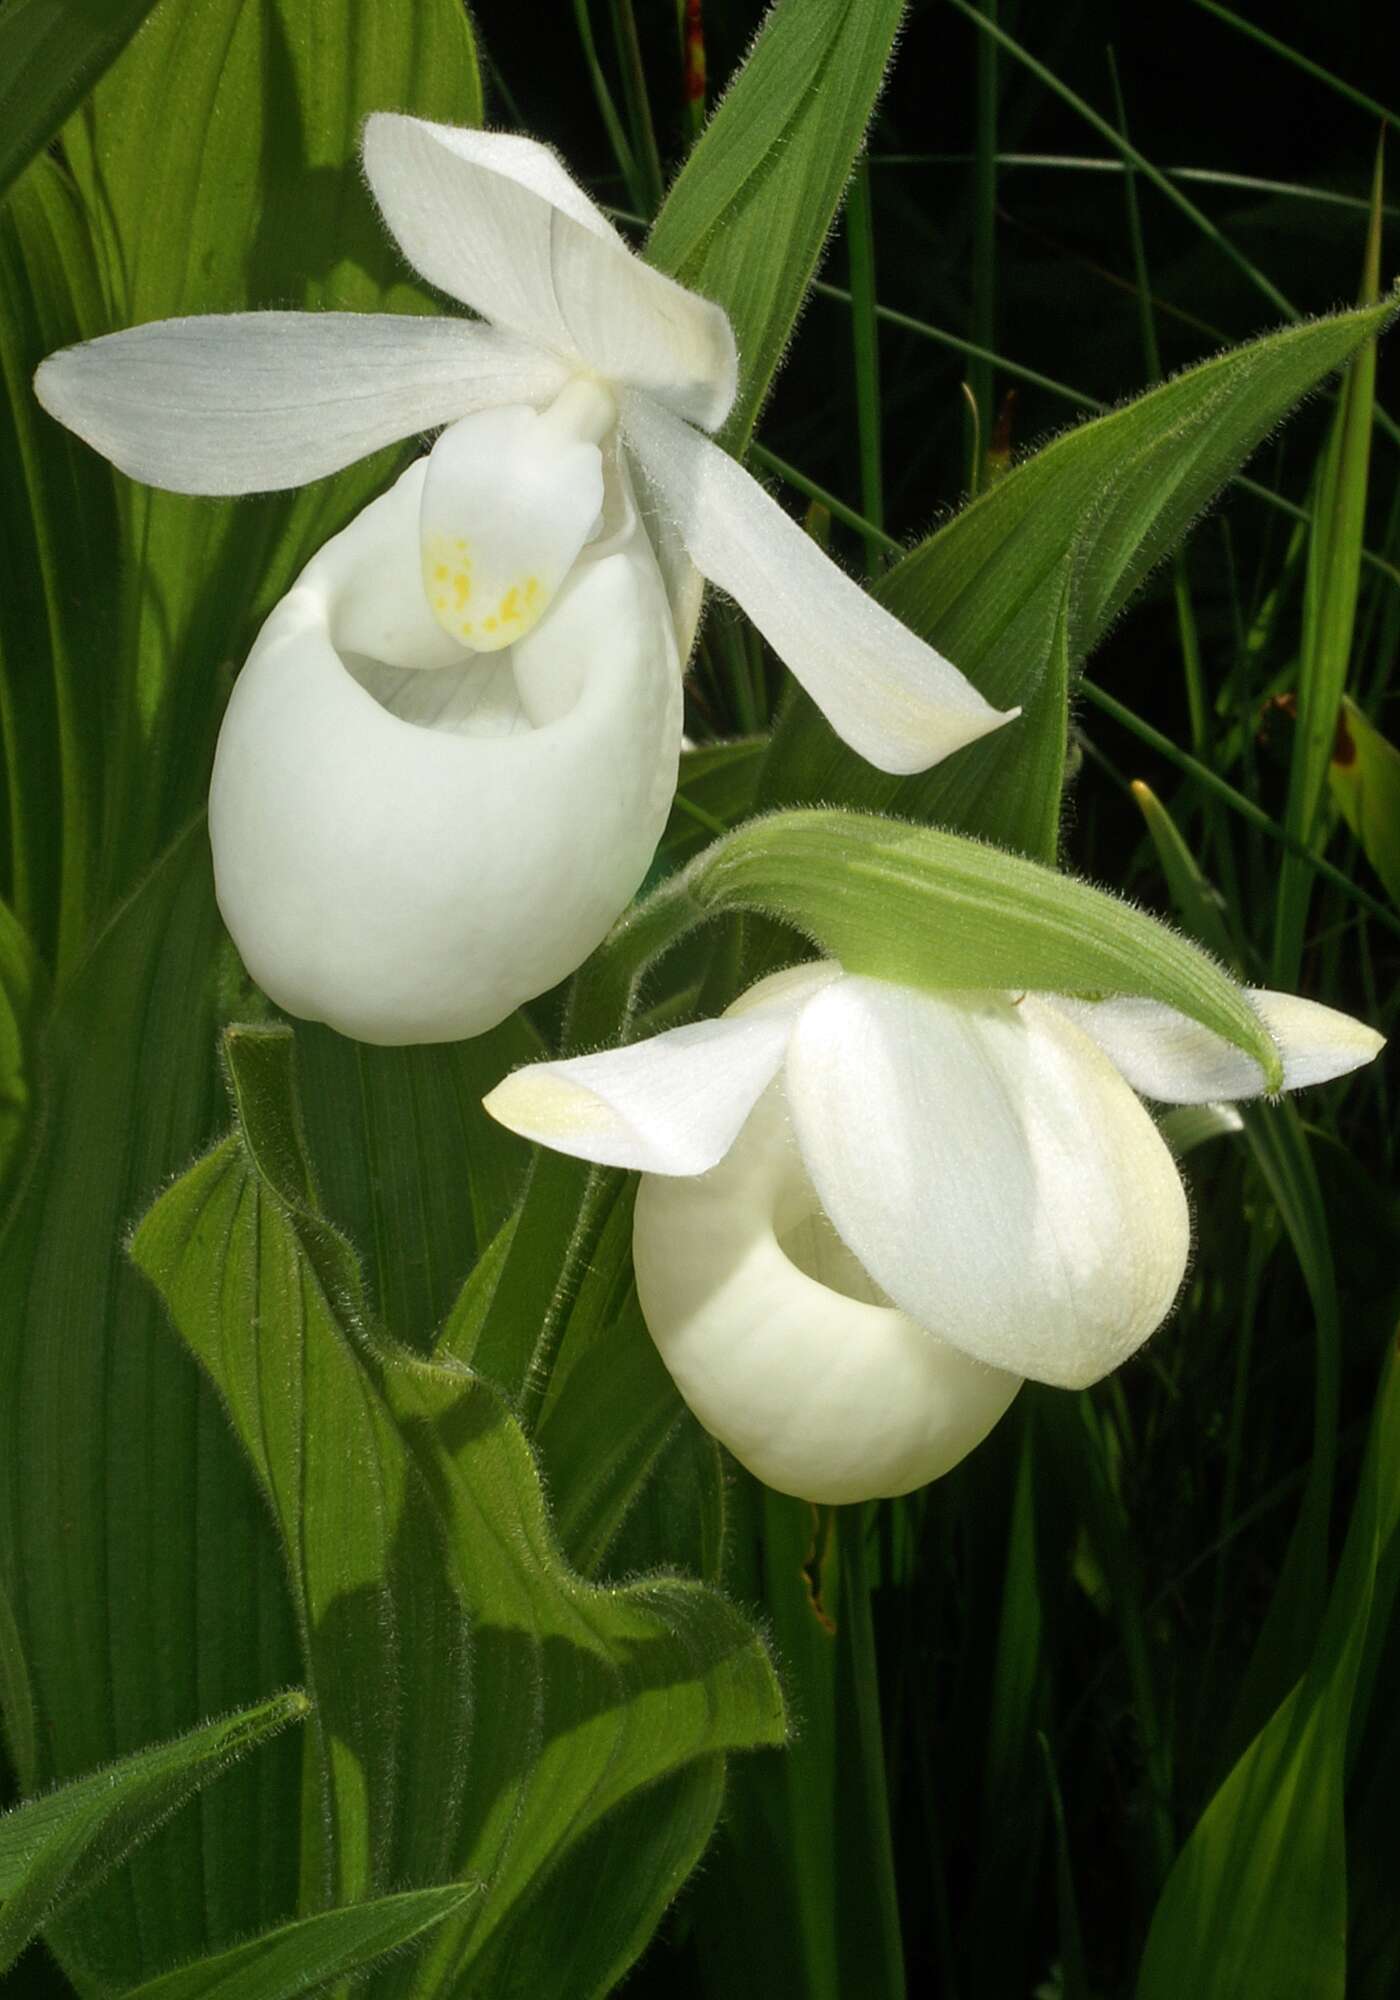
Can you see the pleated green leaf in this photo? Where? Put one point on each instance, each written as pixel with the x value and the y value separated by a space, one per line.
pixel 1257 1901
pixel 1019 587
pixel 299 1958
pixel 414 1526
pixel 60 1845
pixel 144 1584
pixel 58 580
pixel 51 52
pixel 750 211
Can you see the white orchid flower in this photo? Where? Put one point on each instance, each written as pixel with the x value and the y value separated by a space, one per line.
pixel 447 763
pixel 867 1213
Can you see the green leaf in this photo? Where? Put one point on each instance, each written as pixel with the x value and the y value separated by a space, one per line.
pixel 570 1941
pixel 931 909
pixel 299 1958
pixel 1364 774
pixel 22 988
pixel 411 1168
pixel 59 1846
pixel 1019 587
pixel 1335 543
pixel 1257 1901
pixel 413 1523
pixel 750 211
pixel 51 52
pixel 145 1586
pixel 58 580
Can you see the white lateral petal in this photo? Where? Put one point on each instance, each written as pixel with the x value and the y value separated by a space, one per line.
pixel 886 693
pixel 254 402
pixel 402 854
pixel 992 1171
pixel 1173 1059
pixel 669 1105
pixel 786 1356
pixel 494 220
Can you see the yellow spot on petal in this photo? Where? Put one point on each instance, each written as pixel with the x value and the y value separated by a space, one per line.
pixel 440 573
pixel 461 588
pixel 532 589
pixel 467 628
pixel 439 604
pixel 491 624
pixel 509 607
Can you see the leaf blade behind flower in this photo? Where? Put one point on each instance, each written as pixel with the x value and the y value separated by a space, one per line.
pixel 414 1525
pixel 1020 586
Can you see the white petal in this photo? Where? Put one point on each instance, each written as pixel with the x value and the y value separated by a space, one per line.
pixel 886 693
pixel 511 496
pixel 669 1105
pixel 253 402
pixel 1175 1060
pixel 780 1345
pixel 494 220
pixel 992 1171
pixel 403 854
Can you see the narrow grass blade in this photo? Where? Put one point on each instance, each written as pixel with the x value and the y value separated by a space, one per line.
pixel 1329 614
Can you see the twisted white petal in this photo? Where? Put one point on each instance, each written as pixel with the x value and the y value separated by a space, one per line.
pixel 781 1346
pixel 495 221
pixel 992 1171
pixel 253 402
pixel 1175 1060
pixel 670 1105
pixel 887 694
pixel 404 853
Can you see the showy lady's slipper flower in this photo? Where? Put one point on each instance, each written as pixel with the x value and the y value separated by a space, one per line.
pixel 448 760
pixel 868 1213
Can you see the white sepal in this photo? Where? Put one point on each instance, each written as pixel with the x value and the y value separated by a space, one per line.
pixel 254 402
pixel 494 220
pixel 779 1344
pixel 992 1171
pixel 901 705
pixel 1174 1060
pixel 403 854
pixel 668 1105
